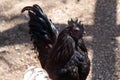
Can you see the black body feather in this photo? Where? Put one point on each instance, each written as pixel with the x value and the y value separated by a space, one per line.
pixel 68 59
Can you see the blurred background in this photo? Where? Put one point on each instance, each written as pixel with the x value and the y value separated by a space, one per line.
pixel 102 38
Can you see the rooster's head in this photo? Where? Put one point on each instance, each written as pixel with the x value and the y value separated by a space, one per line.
pixel 76 29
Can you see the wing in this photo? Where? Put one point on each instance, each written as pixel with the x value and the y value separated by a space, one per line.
pixel 77 68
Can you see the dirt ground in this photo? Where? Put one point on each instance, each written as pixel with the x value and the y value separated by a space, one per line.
pixel 102 26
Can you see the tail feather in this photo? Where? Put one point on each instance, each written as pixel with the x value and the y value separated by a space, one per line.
pixel 35 19
pixel 42 30
pixel 40 14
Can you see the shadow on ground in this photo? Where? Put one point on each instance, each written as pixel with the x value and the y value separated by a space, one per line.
pixel 104 31
pixel 19 34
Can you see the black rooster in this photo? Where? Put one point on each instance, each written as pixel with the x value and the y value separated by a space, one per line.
pixel 43 32
pixel 63 56
pixel 68 59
